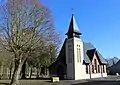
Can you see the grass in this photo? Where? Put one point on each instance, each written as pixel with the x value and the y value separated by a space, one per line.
pixel 104 81
pixel 31 82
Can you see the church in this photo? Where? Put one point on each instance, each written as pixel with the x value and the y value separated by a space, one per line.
pixel 78 59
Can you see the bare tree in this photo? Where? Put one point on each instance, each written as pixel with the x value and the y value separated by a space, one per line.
pixel 5 61
pixel 25 26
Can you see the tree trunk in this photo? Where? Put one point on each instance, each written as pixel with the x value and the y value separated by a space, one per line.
pixel 23 71
pixel 45 70
pixel 37 73
pixel 40 71
pixel 10 69
pixel 7 73
pixel 1 72
pixel 30 72
pixel 16 74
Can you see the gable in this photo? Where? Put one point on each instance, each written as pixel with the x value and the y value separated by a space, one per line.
pixel 89 51
pixel 95 58
pixel 102 60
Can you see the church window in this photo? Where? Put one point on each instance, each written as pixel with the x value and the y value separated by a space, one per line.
pixel 78 54
pixel 95 63
pixel 87 69
pixel 92 68
pixel 103 68
pixel 98 68
pixel 69 54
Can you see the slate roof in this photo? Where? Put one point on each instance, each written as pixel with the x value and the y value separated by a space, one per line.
pixel 62 55
pixel 112 61
pixel 89 51
pixel 115 68
pixel 86 47
pixel 73 27
pixel 102 59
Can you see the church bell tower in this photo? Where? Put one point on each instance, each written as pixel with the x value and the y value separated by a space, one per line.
pixel 74 52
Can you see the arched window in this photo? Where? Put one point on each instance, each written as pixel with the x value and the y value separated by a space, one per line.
pixel 95 63
pixel 98 68
pixel 92 68
pixel 87 69
pixel 69 54
pixel 103 68
pixel 78 54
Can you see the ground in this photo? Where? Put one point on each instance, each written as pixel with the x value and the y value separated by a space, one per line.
pixel 110 80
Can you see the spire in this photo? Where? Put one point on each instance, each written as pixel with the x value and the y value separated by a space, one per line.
pixel 73 30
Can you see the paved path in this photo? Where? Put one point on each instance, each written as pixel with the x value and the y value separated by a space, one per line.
pixel 110 80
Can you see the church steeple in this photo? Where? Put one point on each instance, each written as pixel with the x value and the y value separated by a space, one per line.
pixel 73 30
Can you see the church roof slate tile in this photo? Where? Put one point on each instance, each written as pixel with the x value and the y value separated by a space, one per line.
pixel 89 51
pixel 73 27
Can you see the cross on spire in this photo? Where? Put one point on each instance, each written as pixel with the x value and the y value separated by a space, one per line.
pixel 72 11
